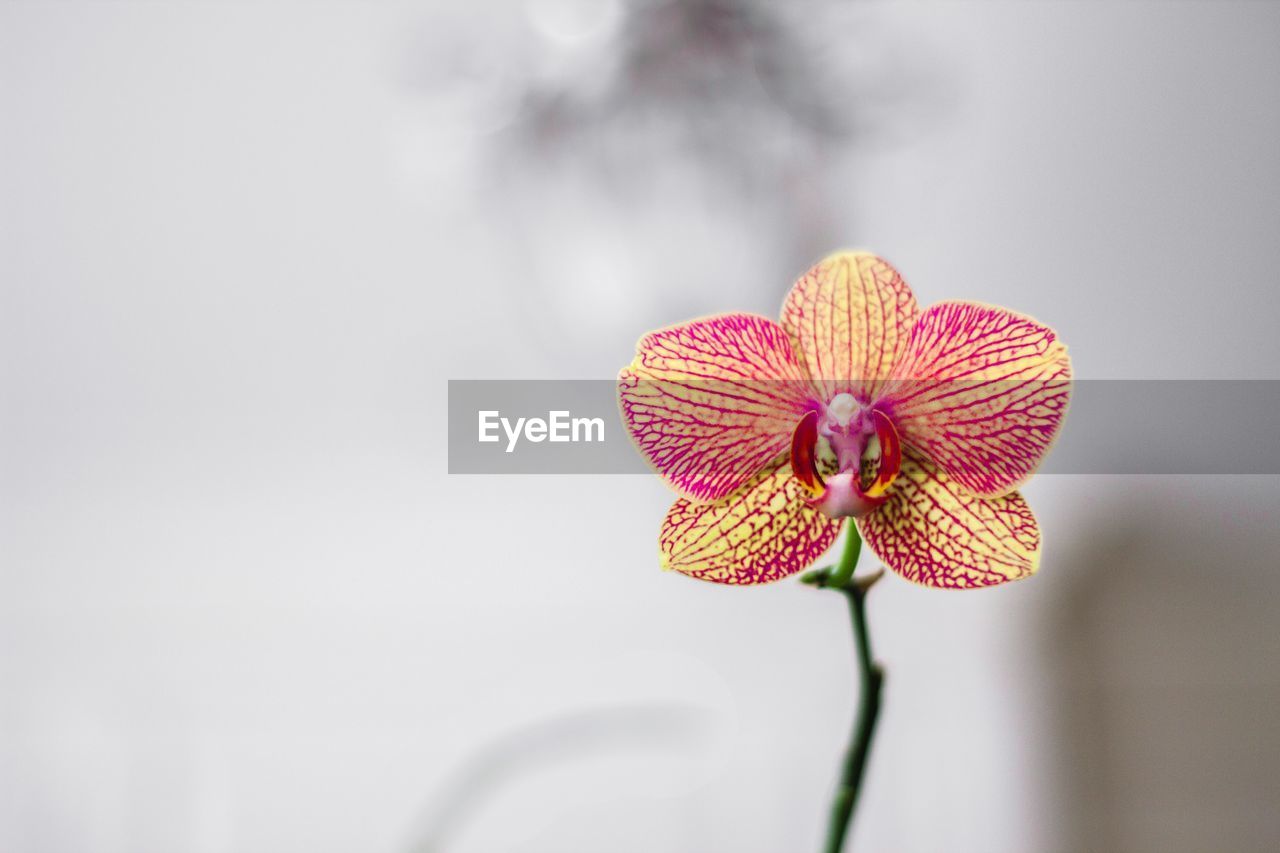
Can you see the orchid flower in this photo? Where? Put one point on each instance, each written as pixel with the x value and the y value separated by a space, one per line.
pixel 920 425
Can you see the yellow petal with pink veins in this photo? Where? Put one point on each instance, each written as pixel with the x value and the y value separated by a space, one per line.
pixel 849 318
pixel 711 402
pixel 983 392
pixel 763 532
pixel 934 532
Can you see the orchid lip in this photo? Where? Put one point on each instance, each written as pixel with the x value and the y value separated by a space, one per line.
pixel 844 498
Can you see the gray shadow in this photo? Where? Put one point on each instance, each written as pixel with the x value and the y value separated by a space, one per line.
pixel 1164 668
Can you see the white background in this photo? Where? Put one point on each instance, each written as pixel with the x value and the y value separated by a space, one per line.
pixel 242 605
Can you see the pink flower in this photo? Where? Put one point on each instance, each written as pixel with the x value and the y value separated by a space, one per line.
pixel 918 424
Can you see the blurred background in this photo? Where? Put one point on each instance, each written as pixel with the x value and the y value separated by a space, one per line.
pixel 243 247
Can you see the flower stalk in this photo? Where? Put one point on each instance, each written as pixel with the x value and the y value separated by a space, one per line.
pixel 870 684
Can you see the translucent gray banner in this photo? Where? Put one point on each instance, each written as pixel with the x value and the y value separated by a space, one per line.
pixel 1223 427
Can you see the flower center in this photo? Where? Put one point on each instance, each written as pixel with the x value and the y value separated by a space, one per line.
pixel 867 457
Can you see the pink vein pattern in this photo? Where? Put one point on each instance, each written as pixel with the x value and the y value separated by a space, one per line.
pixel 935 533
pixel 711 402
pixel 983 392
pixel 850 317
pixel 764 532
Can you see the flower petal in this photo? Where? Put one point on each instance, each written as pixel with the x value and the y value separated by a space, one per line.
pixel 763 532
pixel 933 532
pixel 850 318
pixel 711 402
pixel 983 392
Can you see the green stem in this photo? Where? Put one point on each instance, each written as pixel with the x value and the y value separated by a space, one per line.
pixel 839 579
pixel 870 679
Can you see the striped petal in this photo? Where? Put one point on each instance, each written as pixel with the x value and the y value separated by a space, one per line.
pixel 711 402
pixel 764 532
pixel 936 533
pixel 983 392
pixel 850 318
